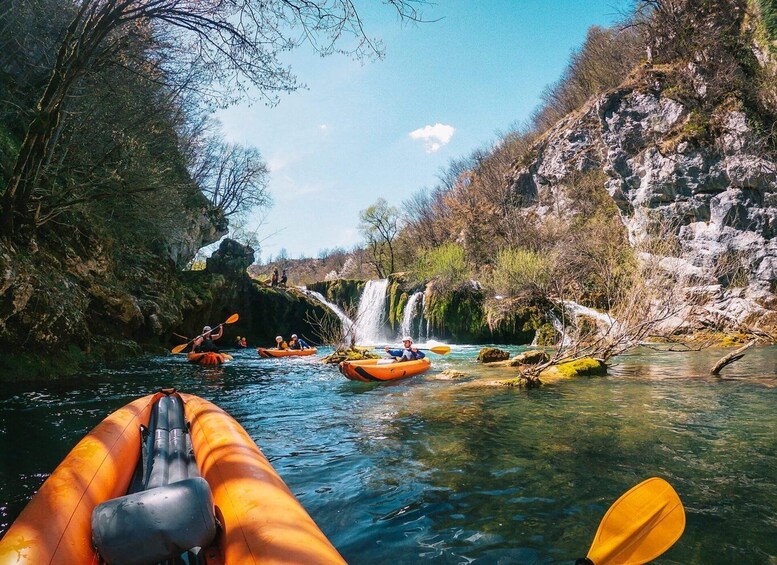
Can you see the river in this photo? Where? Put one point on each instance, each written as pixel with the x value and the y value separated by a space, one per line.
pixel 448 471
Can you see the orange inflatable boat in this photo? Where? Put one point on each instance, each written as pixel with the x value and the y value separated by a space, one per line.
pixel 271 353
pixel 371 370
pixel 225 498
pixel 209 358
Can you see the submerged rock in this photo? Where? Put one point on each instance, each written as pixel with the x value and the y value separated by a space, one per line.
pixel 492 354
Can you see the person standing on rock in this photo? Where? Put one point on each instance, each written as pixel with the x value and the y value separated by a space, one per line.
pixel 204 343
pixel 274 279
pixel 284 278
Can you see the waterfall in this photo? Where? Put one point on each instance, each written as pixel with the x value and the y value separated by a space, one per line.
pixel 406 328
pixel 566 340
pixel 345 320
pixel 423 319
pixel 371 316
pixel 576 309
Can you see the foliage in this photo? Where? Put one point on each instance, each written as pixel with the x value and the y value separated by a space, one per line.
pixel 379 226
pixel 446 265
pixel 521 272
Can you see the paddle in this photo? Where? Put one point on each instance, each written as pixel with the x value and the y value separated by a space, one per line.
pixel 639 526
pixel 178 348
pixel 439 349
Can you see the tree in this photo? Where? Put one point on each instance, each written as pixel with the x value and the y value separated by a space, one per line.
pixel 232 177
pixel 379 226
pixel 215 48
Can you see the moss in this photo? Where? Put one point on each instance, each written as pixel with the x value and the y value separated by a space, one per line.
pixel 343 292
pixel 492 354
pixel 351 354
pixel 547 335
pixel 586 367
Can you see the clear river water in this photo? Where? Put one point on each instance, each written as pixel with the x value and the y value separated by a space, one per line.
pixel 439 470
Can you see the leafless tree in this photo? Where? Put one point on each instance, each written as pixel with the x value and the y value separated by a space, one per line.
pixel 232 44
pixel 232 177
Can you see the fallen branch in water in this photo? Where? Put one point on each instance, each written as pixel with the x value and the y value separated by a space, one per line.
pixel 730 358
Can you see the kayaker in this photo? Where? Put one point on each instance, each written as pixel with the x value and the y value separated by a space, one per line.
pixel 204 343
pixel 243 342
pixel 297 343
pixel 407 353
pixel 280 344
pixel 239 342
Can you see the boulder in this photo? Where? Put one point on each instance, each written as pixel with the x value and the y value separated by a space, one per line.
pixel 586 367
pixel 231 258
pixel 492 354
pixel 534 357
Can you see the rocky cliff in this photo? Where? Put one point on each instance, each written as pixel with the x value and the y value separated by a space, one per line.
pixel 710 178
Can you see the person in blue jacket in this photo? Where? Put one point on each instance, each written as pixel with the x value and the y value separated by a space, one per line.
pixel 407 353
pixel 297 343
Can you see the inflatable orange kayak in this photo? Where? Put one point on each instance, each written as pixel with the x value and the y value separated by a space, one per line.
pixel 370 370
pixel 270 353
pixel 260 519
pixel 209 358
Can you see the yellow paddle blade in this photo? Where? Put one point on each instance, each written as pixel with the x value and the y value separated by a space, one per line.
pixel 232 319
pixel 179 348
pixel 440 349
pixel 639 526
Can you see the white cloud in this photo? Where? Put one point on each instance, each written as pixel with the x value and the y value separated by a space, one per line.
pixel 323 127
pixel 434 137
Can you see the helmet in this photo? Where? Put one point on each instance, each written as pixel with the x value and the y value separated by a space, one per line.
pixel 238 337
pixel 293 336
pixel 278 338
pixel 207 329
pixel 407 338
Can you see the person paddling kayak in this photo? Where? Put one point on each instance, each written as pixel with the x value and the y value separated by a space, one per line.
pixel 204 343
pixel 298 343
pixel 407 353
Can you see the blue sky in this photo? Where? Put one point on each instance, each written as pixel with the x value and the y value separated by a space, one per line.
pixel 344 141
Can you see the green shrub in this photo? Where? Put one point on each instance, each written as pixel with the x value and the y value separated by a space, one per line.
pixel 520 271
pixel 447 264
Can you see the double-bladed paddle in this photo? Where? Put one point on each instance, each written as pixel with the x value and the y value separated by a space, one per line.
pixel 639 526
pixel 439 349
pixel 178 348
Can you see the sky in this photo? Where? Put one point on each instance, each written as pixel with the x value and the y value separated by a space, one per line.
pixel 360 131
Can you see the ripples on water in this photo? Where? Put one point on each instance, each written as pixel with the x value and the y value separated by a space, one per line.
pixel 446 471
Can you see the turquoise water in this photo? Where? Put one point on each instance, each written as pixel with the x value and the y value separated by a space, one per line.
pixel 455 471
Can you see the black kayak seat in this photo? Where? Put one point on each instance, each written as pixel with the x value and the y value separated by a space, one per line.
pixel 168 509
pixel 154 525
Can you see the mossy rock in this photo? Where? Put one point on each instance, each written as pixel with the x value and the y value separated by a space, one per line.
pixel 337 357
pixel 586 367
pixel 535 357
pixel 492 354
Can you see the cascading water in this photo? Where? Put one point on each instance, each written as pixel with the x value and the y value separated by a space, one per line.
pixel 371 316
pixel 406 328
pixel 576 309
pixel 347 323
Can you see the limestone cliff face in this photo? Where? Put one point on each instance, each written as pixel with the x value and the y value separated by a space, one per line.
pixel 707 176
